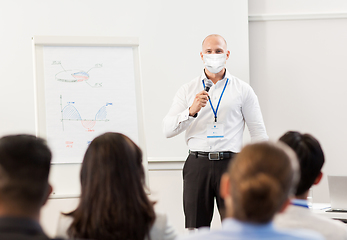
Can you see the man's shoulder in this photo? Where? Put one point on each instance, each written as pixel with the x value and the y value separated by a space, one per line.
pixel 20 228
pixel 236 82
pixel 281 234
pixel 22 236
pixel 203 235
pixel 298 217
pixel 301 234
pixel 28 236
pixel 195 83
pixel 301 215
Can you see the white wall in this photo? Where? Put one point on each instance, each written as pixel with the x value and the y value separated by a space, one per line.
pixel 170 35
pixel 256 7
pixel 298 70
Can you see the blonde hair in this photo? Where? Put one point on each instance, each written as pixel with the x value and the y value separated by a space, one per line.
pixel 262 177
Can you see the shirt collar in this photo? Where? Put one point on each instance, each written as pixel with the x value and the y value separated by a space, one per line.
pixel 226 75
pixel 236 225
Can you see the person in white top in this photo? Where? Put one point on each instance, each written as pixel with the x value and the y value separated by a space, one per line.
pixel 259 183
pixel 213 122
pixel 297 214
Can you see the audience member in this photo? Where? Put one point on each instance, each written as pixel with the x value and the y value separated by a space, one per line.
pixel 24 189
pixel 113 202
pixel 298 215
pixel 258 184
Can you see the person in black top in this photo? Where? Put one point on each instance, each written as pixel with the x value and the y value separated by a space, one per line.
pixel 24 167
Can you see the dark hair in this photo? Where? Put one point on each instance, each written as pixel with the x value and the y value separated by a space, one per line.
pixel 24 169
pixel 262 177
pixel 113 203
pixel 310 155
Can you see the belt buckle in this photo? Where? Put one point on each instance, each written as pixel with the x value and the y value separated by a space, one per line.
pixel 213 156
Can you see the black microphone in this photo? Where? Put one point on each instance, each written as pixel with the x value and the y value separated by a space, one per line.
pixel 208 85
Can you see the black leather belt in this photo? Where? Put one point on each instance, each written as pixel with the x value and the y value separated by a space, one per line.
pixel 213 155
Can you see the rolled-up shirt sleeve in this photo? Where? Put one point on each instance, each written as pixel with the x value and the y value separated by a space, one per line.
pixel 253 117
pixel 177 120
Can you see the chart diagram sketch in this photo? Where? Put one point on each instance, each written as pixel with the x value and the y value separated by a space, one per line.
pixel 75 75
pixel 70 113
pixel 88 91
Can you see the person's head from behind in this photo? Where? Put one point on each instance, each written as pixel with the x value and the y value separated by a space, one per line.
pixel 259 182
pixel 113 203
pixel 311 159
pixel 24 168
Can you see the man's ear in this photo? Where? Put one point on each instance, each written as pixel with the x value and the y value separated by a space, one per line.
pixel 228 54
pixel 284 206
pixel 318 178
pixel 202 56
pixel 49 191
pixel 225 186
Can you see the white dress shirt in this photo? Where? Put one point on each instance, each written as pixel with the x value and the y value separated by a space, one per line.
pixel 301 217
pixel 236 230
pixel 238 105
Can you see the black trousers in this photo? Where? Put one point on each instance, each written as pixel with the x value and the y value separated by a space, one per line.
pixel 201 183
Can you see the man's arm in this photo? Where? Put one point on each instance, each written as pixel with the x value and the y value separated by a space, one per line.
pixel 181 115
pixel 252 115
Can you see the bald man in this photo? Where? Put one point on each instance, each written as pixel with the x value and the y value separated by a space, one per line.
pixel 212 109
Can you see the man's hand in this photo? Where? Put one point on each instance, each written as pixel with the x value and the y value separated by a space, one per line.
pixel 200 101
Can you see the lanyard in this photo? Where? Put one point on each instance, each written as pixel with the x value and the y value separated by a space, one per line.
pixel 220 98
pixel 300 204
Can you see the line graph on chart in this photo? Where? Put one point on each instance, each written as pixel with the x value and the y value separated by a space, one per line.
pixel 70 113
pixel 76 75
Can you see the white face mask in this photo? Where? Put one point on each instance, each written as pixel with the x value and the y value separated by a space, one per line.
pixel 215 62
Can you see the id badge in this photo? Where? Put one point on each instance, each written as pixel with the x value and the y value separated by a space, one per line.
pixel 215 130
